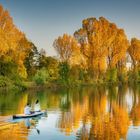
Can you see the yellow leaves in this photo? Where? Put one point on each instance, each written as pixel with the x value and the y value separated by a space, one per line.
pixel 66 46
pixel 104 40
pixel 102 64
pixel 119 47
pixel 112 125
pixel 134 50
pixel 120 113
pixel 13 42
pixel 22 71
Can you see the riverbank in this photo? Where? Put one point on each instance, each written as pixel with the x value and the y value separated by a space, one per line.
pixel 22 85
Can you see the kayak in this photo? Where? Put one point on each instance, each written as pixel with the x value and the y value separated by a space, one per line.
pixel 19 116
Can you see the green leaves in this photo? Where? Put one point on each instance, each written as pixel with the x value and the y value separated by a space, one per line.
pixel 64 69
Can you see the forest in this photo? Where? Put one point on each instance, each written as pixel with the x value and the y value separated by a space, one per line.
pixel 97 53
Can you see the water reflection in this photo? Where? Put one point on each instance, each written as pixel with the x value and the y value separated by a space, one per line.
pixel 86 113
pixel 31 124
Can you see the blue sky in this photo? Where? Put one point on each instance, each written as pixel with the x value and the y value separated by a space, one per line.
pixel 44 20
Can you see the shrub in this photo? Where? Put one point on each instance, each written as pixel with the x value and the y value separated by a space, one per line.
pixel 5 81
pixel 40 77
pixel 111 75
pixel 134 76
pixel 123 76
pixel 64 69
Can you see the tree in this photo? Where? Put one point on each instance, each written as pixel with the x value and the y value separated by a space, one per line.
pixel 134 50
pixel 52 68
pixel 31 61
pixel 7 68
pixel 42 59
pixel 14 45
pixel 40 77
pixel 64 69
pixel 102 43
pixel 117 54
pixel 66 47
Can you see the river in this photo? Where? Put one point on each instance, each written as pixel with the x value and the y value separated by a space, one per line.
pixel 84 113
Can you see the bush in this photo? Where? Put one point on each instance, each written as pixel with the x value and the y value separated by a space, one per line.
pixel 18 82
pixel 123 76
pixel 64 69
pixel 5 81
pixel 76 75
pixel 90 76
pixel 111 75
pixel 7 68
pixel 134 76
pixel 40 77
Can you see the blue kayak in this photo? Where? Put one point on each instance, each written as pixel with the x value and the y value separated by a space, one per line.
pixel 19 116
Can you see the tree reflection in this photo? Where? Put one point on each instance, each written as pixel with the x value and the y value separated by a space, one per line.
pixel 19 129
pixel 16 131
pixel 100 115
pixel 135 111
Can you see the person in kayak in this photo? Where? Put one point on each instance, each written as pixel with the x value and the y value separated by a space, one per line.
pixel 27 109
pixel 37 106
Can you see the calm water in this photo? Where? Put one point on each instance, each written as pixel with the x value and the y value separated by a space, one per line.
pixel 87 113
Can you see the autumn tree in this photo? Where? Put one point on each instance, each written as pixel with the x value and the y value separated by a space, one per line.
pixel 117 54
pixel 102 43
pixel 69 53
pixel 66 47
pixel 134 50
pixel 23 50
pixel 14 45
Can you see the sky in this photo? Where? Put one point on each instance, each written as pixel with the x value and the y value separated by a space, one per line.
pixel 44 20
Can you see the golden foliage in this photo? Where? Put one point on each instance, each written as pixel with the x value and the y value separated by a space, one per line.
pixel 65 46
pixel 13 43
pixel 102 43
pixel 134 51
pixel 94 119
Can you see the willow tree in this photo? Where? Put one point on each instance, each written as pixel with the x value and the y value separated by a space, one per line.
pixel 102 43
pixel 134 51
pixel 14 45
